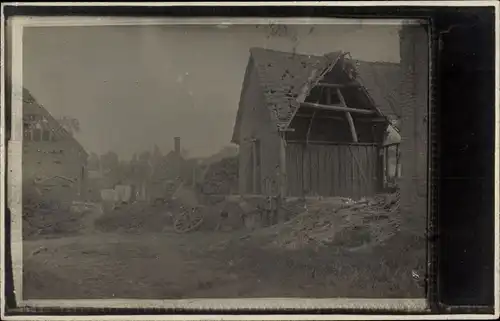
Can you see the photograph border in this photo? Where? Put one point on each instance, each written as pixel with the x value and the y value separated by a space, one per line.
pixel 402 305
pixel 15 182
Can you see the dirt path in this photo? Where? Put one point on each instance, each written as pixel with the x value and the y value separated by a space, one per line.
pixel 89 218
pixel 201 265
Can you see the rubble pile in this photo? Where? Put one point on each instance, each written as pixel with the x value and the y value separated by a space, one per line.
pixel 340 221
pixel 41 219
pixel 316 225
pixel 221 177
pixel 138 217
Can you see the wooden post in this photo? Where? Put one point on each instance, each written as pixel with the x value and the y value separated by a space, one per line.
pixel 282 165
pixel 386 165
pixel 349 118
pixel 254 166
pixel 351 126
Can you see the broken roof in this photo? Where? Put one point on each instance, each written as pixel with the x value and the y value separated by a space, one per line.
pixel 286 77
pixel 283 76
pixel 31 106
pixel 381 80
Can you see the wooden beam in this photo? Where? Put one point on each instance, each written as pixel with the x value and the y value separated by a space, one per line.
pixel 321 117
pixel 350 84
pixel 351 126
pixel 372 120
pixel 338 108
pixel 349 118
pixel 254 166
pixel 320 142
pixel 364 120
pixel 310 126
pixel 282 167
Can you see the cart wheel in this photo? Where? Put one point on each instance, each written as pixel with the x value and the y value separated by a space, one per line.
pixel 188 221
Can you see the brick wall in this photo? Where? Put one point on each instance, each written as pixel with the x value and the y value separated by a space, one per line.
pixel 414 50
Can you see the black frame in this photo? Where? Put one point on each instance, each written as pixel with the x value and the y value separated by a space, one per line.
pixel 462 149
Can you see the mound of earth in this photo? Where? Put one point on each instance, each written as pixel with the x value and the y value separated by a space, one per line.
pixel 137 218
pixel 44 219
pixel 334 221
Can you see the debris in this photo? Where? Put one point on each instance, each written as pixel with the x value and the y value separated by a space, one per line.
pixel 189 220
pixel 357 224
pixel 39 250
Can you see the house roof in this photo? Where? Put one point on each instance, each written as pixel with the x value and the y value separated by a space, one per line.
pixel 31 106
pixel 285 78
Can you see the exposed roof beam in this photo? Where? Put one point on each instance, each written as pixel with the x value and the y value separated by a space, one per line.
pixel 337 108
pixel 321 116
pixel 349 117
pixel 350 84
pixel 364 120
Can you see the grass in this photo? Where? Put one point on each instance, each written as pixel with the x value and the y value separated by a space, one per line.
pixel 204 264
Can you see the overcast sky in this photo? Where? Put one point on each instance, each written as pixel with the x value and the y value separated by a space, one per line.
pixel 135 86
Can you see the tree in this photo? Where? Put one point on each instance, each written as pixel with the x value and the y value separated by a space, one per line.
pixel 275 30
pixel 157 156
pixel 185 153
pixel 134 159
pixel 94 162
pixel 109 161
pixel 145 156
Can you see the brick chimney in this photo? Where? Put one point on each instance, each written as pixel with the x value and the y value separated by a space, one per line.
pixel 177 145
pixel 414 99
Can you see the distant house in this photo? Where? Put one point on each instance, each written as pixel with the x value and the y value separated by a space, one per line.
pixel 54 163
pixel 313 125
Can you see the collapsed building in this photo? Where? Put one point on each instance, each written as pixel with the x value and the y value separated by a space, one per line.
pixel 54 163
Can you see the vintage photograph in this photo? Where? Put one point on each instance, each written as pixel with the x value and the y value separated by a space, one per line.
pixel 224 160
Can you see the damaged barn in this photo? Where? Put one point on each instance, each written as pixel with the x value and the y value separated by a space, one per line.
pixel 322 133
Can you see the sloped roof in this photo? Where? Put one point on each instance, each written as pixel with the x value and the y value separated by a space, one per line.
pixel 285 77
pixel 382 80
pixel 31 106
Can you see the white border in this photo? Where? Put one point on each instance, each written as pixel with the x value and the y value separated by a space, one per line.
pixel 341 303
pixel 2 164
pixel 14 156
pixel 471 3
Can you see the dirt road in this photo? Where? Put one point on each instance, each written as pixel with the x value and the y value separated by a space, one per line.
pixel 238 263
pixel 200 265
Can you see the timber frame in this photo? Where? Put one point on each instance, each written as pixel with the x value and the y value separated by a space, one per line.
pixel 332 105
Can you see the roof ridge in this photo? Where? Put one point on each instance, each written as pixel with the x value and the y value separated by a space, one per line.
pixel 253 49
pixel 378 62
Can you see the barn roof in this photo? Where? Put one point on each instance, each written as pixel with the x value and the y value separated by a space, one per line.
pixel 382 80
pixel 286 77
pixel 283 75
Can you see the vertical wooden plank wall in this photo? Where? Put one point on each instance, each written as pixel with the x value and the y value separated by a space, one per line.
pixel 332 170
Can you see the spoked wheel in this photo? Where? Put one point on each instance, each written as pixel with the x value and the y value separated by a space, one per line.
pixel 188 220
